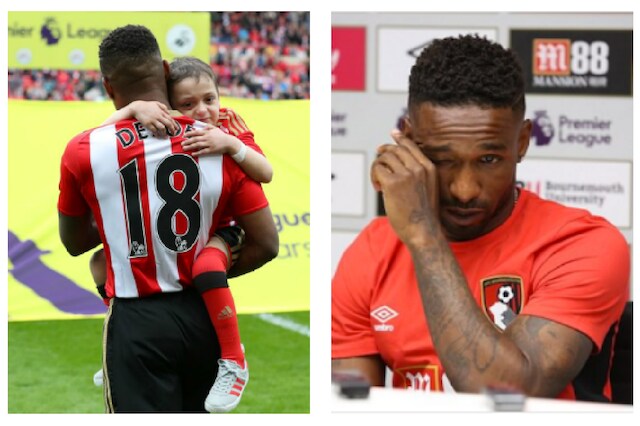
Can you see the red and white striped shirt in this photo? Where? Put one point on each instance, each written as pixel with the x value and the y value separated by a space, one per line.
pixel 155 204
pixel 231 122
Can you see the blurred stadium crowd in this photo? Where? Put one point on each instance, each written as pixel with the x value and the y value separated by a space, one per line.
pixel 260 55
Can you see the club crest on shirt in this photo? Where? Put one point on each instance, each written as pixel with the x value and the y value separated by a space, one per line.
pixel 502 299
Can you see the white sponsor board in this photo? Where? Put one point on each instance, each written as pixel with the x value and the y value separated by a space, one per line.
pixel 574 126
pixel 398 49
pixel 602 187
pixel 340 240
pixel 348 183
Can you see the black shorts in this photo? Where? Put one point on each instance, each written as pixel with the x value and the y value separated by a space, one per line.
pixel 159 354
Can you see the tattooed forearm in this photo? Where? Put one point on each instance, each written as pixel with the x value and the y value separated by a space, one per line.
pixel 465 341
pixel 533 354
pixel 449 309
pixel 483 357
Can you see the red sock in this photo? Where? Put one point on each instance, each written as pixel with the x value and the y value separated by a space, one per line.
pixel 208 268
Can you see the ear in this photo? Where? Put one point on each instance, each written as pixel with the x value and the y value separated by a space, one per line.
pixel 167 70
pixel 523 139
pixel 107 87
pixel 407 128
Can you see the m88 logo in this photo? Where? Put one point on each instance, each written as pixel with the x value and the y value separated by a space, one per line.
pixel 581 61
pixel 557 56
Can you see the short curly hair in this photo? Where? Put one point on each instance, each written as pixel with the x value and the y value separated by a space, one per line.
pixel 467 70
pixel 127 47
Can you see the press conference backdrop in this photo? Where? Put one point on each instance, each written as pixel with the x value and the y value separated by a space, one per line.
pixel 578 70
pixel 47 283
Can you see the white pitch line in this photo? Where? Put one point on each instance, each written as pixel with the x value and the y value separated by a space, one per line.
pixel 285 323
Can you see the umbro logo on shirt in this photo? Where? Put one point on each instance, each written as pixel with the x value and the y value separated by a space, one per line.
pixel 383 314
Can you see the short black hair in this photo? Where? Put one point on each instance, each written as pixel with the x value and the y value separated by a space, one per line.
pixel 467 70
pixel 127 47
pixel 190 67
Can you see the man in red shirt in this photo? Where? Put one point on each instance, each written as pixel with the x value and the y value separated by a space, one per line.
pixel 470 282
pixel 155 207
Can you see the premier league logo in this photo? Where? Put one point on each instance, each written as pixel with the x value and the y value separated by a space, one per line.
pixel 50 31
pixel 543 130
pixel 502 299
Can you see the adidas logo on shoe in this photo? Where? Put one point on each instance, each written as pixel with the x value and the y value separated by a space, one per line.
pixel 227 390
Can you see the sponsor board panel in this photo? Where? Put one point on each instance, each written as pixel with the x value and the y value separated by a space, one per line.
pixel 574 127
pixel 575 61
pixel 348 58
pixel 364 121
pixel 348 183
pixel 361 123
pixel 602 187
pixel 631 272
pixel 44 282
pixel 70 40
pixel 398 49
pixel 339 121
pixel 340 240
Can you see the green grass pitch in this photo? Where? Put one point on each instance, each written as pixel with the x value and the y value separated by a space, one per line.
pixel 51 366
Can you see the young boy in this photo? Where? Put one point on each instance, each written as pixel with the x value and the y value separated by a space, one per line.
pixel 193 91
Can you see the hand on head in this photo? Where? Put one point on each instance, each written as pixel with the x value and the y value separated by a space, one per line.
pixel 408 182
pixel 404 154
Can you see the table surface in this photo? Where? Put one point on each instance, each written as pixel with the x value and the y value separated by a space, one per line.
pixel 388 400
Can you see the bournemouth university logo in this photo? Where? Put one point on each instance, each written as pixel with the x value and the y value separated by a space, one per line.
pixel 383 314
pixel 502 299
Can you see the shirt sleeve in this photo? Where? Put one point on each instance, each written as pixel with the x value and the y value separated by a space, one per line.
pixel 239 129
pixel 351 289
pixel 70 199
pixel 247 195
pixel 583 280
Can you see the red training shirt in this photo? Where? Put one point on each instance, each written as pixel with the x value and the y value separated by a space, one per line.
pixel 545 260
